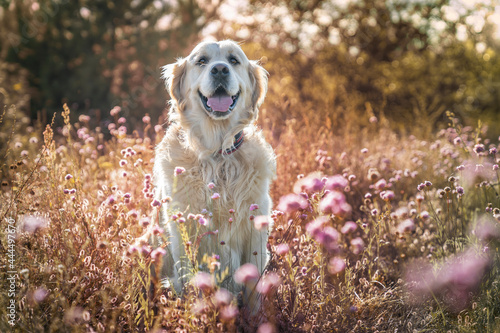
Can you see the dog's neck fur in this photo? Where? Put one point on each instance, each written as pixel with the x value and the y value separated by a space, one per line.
pixel 209 136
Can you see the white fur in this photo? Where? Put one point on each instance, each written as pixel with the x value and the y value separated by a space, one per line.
pixel 193 141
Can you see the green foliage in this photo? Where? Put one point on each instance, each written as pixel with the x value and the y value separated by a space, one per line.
pixel 97 54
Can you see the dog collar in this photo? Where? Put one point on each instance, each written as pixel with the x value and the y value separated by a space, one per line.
pixel 238 140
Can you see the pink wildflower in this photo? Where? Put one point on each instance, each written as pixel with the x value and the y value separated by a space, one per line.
pixel 406 226
pixel 336 265
pixel 222 297
pixel 254 207
pixel 246 273
pixel 282 249
pixel 310 184
pixel 204 281
pixel 179 171
pixel 357 245
pixel 349 227
pixel 32 223
pixel 261 222
pixel 292 202
pixel 335 203
pixel 228 312
pixel 336 182
pixel 268 282
pixel 158 253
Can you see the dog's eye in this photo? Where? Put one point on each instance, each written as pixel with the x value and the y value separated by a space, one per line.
pixel 202 61
pixel 233 61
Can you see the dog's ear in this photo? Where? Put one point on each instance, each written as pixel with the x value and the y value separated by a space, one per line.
pixel 259 76
pixel 173 75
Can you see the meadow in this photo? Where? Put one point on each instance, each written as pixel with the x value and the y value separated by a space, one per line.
pixel 373 231
pixel 384 119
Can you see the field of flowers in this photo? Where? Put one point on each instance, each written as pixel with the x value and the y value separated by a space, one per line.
pixel 373 232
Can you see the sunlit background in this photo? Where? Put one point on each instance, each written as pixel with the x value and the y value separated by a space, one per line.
pixel 403 62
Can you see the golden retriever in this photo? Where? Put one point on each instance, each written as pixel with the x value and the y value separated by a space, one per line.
pixel 215 95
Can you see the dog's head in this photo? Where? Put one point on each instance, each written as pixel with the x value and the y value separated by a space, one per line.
pixel 217 81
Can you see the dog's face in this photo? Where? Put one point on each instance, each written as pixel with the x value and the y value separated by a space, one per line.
pixel 218 81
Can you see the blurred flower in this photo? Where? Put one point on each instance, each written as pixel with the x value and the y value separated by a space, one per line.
pixel 292 202
pixel 203 221
pixel 336 182
pixel 211 185
pixel 204 281
pixel 246 273
pixel 282 249
pixel 157 254
pixel 402 212
pixel 373 174
pixel 40 294
pixel 349 227
pixel 155 203
pixel 328 236
pixel 123 163
pixel 268 282
pixel 364 151
pixel 261 222
pixel 487 229
pixel 144 222
pixel 114 111
pixel 68 177
pixel 357 245
pixel 335 203
pixel 222 297
pixel 387 195
pixel 336 265
pixel 146 119
pixel 254 207
pixel 381 184
pixel 157 230
pixel 158 128
pixel 215 196
pixel 32 223
pixel 310 184
pixel 266 328
pixel 455 282
pixel 424 215
pixel 478 148
pixel 228 312
pixel 406 226
pixel 179 171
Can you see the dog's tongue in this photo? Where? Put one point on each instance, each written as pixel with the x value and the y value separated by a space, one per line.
pixel 220 103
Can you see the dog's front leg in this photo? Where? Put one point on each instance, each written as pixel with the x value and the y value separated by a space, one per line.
pixel 181 264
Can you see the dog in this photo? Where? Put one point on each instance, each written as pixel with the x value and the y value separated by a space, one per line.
pixel 214 164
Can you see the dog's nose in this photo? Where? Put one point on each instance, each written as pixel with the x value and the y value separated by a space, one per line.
pixel 219 70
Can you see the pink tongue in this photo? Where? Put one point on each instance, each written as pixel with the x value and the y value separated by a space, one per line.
pixel 220 103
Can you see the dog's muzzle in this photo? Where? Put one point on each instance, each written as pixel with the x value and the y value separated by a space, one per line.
pixel 220 103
